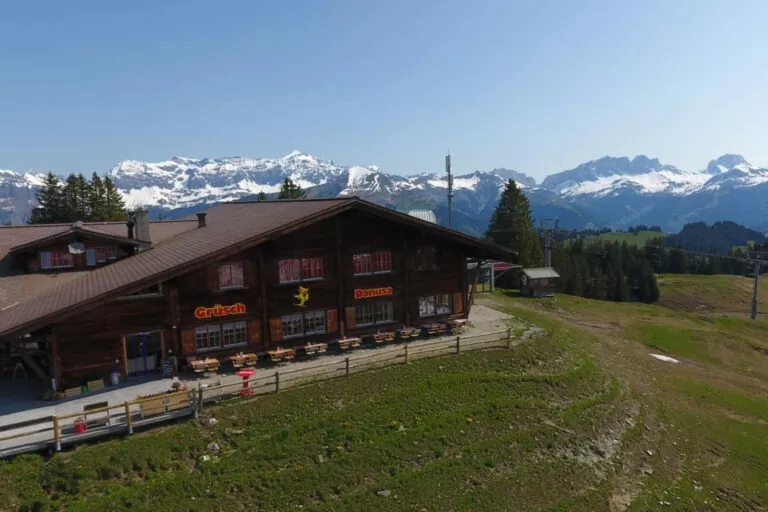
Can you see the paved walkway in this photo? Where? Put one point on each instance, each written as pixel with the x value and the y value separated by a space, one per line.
pixel 18 406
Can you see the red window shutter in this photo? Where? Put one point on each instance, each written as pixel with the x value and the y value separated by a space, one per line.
pixel 248 277
pixel 212 276
pixel 254 332
pixel 458 303
pixel 188 345
pixel 350 317
pixel 332 321
pixel 276 329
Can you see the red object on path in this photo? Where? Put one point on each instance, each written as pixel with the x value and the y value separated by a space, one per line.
pixel 79 426
pixel 246 373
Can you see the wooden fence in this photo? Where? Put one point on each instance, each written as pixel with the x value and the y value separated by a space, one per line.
pixel 56 432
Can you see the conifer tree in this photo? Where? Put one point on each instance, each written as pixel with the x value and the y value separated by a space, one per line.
pixel 290 190
pixel 97 199
pixel 50 202
pixel 113 201
pixel 261 196
pixel 512 226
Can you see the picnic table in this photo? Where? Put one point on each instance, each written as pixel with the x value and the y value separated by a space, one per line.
pixel 240 360
pixel 457 324
pixel 347 343
pixel 381 337
pixel 408 332
pixel 435 328
pixel 313 349
pixel 205 365
pixel 280 354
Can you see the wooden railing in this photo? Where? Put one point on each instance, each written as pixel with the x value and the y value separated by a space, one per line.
pixel 55 432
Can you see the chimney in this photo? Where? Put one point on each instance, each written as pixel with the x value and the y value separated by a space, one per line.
pixel 201 219
pixel 130 224
pixel 141 218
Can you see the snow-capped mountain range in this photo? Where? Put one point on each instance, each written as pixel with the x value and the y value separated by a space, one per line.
pixel 609 191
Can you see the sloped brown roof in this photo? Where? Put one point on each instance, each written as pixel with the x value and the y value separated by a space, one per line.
pixel 18 236
pixel 231 227
pixel 22 287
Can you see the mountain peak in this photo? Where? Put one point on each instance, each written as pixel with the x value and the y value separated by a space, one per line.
pixel 725 163
pixel 298 155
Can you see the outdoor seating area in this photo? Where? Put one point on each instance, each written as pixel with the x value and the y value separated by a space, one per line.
pixel 241 360
pixel 348 343
pixel 281 354
pixel 315 349
pixel 205 365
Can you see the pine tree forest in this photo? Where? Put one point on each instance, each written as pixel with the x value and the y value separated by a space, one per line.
pixel 77 198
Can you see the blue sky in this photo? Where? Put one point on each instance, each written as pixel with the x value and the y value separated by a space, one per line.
pixel 539 86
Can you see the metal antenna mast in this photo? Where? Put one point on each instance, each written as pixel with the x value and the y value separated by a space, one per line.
pixel 450 189
pixel 548 227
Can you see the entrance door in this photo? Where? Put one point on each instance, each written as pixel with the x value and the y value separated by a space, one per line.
pixel 144 352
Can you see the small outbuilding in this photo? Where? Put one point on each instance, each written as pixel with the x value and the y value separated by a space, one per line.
pixel 538 282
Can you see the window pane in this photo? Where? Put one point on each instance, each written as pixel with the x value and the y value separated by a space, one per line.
pixel 312 268
pixel 289 271
pixel 382 262
pixel 443 304
pixel 91 257
pixel 314 322
pixel 292 325
pixel 361 264
pixel 364 314
pixel 45 259
pixel 427 306
pixel 231 275
pixel 208 337
pixel 234 333
pixel 383 312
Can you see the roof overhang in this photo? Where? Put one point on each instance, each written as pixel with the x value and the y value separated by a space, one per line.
pixel 478 248
pixel 74 231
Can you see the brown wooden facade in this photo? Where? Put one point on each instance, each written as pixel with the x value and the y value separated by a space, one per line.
pixel 93 342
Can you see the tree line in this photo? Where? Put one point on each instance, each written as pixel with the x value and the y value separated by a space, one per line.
pixel 600 270
pixel 77 198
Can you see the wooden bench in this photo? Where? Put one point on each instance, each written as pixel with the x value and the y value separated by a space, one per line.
pixel 73 392
pixel 251 359
pixel 95 385
pixel 100 421
pixel 238 361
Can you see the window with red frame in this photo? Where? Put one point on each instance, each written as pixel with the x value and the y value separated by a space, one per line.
pixel 301 269
pixel 231 275
pixel 382 262
pixel 361 264
pixel 312 268
pixel 372 263
pixel 56 259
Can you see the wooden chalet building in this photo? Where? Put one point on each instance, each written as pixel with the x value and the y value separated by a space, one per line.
pixel 241 276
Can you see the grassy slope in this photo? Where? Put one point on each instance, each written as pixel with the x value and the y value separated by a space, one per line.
pixel 730 295
pixel 581 419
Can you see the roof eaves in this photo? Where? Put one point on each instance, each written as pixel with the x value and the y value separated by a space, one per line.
pixel 175 271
